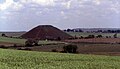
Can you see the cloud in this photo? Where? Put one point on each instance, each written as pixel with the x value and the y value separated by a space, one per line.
pixel 16 5
pixel 10 4
pixel 40 2
pixel 97 2
pixel 3 17
pixel 6 4
pixel 67 4
pixel 62 4
pixel 72 13
pixel 115 7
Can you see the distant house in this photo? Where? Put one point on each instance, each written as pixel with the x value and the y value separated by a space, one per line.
pixel 44 32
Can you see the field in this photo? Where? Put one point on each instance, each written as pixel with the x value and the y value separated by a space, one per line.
pixel 12 41
pixel 106 46
pixel 13 59
pixel 78 34
pixel 99 46
pixel 42 57
pixel 96 40
pixel 14 34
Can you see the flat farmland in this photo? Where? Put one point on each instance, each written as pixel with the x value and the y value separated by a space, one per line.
pixel 78 34
pixel 6 44
pixel 13 34
pixel 97 49
pixel 95 40
pixel 12 41
pixel 99 46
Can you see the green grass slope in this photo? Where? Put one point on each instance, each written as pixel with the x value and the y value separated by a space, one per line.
pixel 22 41
pixel 12 59
pixel 12 40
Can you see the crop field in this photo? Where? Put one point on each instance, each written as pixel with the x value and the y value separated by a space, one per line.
pixel 6 40
pixel 45 59
pixel 96 40
pixel 14 34
pixel 96 49
pixel 99 46
pixel 12 40
pixel 13 59
pixel 78 34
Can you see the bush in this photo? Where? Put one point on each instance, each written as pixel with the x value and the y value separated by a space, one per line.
pixel 54 50
pixel 107 36
pixel 59 39
pixel 3 35
pixel 24 49
pixel 99 36
pixel 70 49
pixel 4 47
pixel 115 35
pixel 27 49
pixel 31 42
pixel 91 36
pixel 81 37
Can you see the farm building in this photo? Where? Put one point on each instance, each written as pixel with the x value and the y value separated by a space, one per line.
pixel 44 32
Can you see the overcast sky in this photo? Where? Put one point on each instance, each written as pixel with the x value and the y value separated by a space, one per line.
pixel 20 15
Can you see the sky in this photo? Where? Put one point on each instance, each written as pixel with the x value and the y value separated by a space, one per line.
pixel 23 15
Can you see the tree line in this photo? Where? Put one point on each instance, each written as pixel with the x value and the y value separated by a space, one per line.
pixel 97 31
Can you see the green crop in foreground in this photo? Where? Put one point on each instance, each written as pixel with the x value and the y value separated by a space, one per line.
pixel 12 59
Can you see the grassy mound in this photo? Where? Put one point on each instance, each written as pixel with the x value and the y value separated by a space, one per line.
pixel 12 59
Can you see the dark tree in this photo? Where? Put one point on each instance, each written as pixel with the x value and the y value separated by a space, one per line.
pixel 58 38
pixel 115 35
pixel 91 36
pixel 99 36
pixel 99 31
pixel 4 35
pixel 31 42
pixel 70 49
pixel 70 30
pixel 107 36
